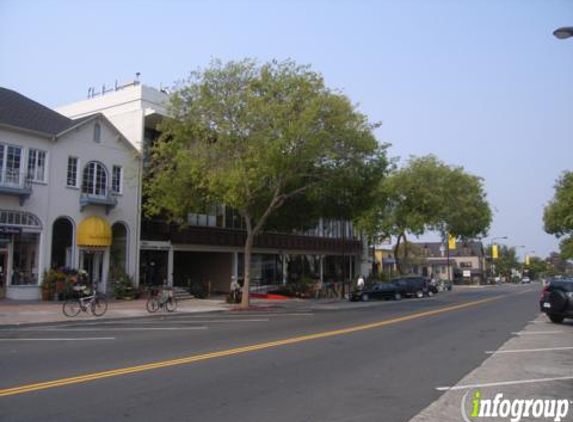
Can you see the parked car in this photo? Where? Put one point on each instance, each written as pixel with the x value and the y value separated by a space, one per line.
pixel 557 300
pixel 376 291
pixel 525 280
pixel 415 287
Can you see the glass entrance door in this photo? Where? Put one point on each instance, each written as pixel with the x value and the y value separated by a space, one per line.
pixel 91 261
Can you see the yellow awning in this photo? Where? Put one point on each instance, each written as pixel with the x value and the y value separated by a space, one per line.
pixel 94 231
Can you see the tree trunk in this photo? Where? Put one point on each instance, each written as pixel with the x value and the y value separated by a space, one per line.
pixel 247 267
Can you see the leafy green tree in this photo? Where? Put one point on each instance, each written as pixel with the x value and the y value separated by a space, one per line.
pixel 536 268
pixel 271 141
pixel 506 262
pixel 427 195
pixel 558 214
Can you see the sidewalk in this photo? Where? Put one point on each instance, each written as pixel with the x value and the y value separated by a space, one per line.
pixel 536 364
pixel 32 312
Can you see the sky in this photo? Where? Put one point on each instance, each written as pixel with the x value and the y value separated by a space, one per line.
pixel 481 84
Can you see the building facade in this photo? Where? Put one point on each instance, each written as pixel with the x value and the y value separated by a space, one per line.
pixel 69 196
pixel 209 250
pixel 464 264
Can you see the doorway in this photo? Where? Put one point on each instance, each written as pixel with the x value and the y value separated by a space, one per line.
pixel 91 261
pixel 3 272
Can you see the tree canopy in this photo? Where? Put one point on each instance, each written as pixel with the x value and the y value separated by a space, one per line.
pixel 558 214
pixel 428 195
pixel 263 139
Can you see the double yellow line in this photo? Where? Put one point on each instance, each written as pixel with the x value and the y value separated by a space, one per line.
pixel 230 352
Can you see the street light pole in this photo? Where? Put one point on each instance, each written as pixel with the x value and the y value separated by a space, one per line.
pixel 492 258
pixel 564 32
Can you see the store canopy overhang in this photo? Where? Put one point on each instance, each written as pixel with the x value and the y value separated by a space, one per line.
pixel 94 231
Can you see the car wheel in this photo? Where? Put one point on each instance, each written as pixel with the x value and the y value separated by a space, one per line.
pixel 557 319
pixel 419 294
pixel 430 293
pixel 364 297
pixel 397 296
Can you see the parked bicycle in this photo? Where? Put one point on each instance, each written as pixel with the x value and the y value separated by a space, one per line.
pixel 95 302
pixel 162 298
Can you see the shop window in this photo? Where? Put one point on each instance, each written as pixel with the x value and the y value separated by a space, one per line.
pixel 25 258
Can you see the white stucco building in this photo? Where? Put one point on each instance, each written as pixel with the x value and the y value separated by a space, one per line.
pixel 210 248
pixel 69 196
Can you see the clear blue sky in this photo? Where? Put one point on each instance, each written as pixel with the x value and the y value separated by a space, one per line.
pixel 482 84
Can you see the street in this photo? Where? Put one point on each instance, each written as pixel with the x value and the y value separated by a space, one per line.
pixel 375 361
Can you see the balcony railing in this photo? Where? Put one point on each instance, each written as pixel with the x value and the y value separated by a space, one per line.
pixel 105 199
pixel 16 183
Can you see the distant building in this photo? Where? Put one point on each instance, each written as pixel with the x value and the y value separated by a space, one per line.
pixel 466 263
pixel 210 248
pixel 69 196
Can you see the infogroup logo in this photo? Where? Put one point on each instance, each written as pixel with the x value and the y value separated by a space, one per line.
pixel 513 409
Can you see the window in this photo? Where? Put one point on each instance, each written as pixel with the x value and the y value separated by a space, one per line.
pixel 97 132
pixel 72 176
pixel 37 165
pixel 10 160
pixel 466 264
pixel 117 179
pixel 95 180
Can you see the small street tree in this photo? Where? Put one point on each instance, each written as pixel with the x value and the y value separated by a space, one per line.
pixel 427 195
pixel 506 262
pixel 262 139
pixel 558 214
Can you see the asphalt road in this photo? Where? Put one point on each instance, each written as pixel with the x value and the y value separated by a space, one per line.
pixel 377 361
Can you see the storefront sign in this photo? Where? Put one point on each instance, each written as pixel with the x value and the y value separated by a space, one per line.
pixel 10 230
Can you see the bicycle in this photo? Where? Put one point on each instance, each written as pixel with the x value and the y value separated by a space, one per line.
pixel 162 299
pixel 95 302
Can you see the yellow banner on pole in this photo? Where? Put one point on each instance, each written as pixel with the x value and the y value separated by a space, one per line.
pixel 494 253
pixel 451 242
pixel 526 259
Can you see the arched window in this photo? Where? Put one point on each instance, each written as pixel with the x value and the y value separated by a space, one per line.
pixel 94 181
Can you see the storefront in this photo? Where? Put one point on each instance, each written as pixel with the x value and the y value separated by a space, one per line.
pixel 94 238
pixel 20 237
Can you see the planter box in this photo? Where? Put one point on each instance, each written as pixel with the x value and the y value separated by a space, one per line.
pixel 23 292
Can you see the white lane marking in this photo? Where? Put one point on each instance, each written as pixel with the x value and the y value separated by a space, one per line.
pixel 496 384
pixel 529 350
pixel 117 329
pixel 59 339
pixel 533 333
pixel 272 315
pixel 525 291
pixel 186 321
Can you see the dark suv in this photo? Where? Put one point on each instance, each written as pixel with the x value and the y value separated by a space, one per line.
pixel 414 287
pixel 557 300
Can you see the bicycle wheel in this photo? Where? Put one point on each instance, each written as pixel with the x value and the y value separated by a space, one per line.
pixel 152 304
pixel 99 306
pixel 171 304
pixel 71 307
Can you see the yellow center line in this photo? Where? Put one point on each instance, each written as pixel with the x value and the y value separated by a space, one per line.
pixel 234 351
